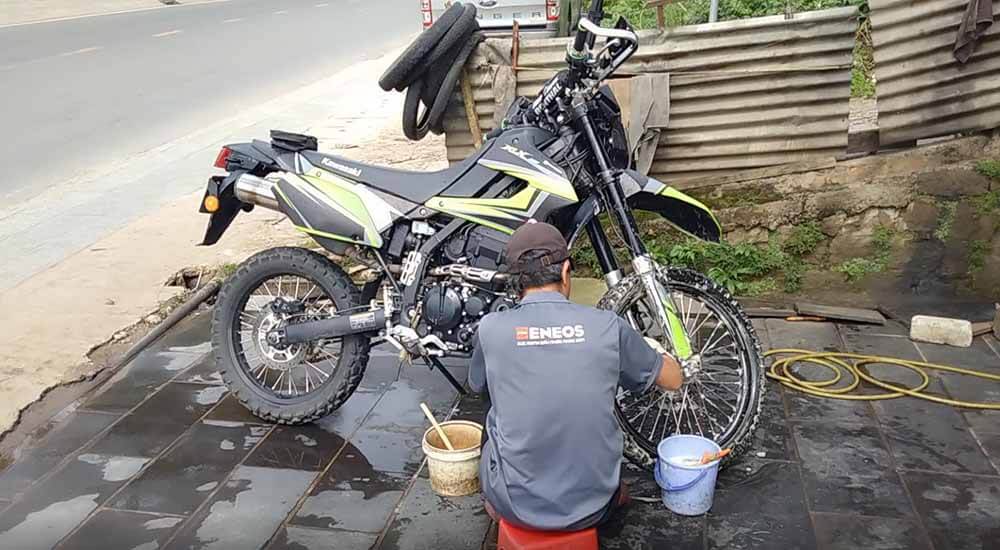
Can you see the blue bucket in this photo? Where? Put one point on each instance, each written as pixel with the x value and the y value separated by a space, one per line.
pixel 686 489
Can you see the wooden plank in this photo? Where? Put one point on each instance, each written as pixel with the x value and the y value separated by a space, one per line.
pixel 996 322
pixel 768 313
pixel 979 329
pixel 857 315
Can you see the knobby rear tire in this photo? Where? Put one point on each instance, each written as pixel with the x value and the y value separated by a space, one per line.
pixel 354 350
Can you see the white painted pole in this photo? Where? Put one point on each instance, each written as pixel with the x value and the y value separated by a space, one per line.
pixel 713 11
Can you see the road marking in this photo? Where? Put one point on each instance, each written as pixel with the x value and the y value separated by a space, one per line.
pixel 189 4
pixel 280 12
pixel 168 33
pixel 81 50
pixel 323 5
pixel 236 20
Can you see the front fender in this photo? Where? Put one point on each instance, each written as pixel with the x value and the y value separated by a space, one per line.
pixel 682 211
pixel 644 193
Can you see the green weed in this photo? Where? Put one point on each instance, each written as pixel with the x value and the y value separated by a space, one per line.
pixel 987 203
pixel 978 250
pixel 856 269
pixel 863 66
pixel 227 269
pixel 989 168
pixel 804 239
pixel 945 218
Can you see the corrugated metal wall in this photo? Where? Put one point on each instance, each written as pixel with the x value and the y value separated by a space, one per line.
pixel 922 90
pixel 744 94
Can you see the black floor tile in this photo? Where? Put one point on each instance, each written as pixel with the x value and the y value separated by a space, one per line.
pixel 51 510
pixel 137 380
pixel 960 511
pixel 425 520
pixel 472 407
pixel 767 511
pixel 181 480
pixel 649 525
pixel 803 407
pixel 306 447
pixel 383 369
pixel 811 336
pixel 202 372
pixel 63 439
pixel 848 532
pixel 930 436
pixel 159 421
pixel 191 335
pixel 345 420
pixel 773 438
pixel 247 510
pixel 891 328
pixel 113 529
pixel 229 409
pixel 432 381
pixel 847 469
pixel 991 444
pixel 352 495
pixel 301 538
pixel 392 451
pixel 968 388
pixel 400 406
pixel 978 356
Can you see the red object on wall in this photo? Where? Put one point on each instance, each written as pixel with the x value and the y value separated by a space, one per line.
pixel 516 538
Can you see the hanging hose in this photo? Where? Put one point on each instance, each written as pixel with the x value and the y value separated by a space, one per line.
pixel 430 69
pixel 854 365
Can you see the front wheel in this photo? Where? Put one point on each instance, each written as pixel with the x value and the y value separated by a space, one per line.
pixel 722 401
pixel 298 383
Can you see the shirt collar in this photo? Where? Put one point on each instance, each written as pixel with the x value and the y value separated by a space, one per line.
pixel 543 296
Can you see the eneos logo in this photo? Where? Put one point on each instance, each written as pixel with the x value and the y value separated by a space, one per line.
pixel 540 336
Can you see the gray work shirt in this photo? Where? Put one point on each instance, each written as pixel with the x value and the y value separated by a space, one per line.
pixel 554 452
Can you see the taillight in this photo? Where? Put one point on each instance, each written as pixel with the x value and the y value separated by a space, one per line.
pixel 425 10
pixel 223 156
pixel 552 10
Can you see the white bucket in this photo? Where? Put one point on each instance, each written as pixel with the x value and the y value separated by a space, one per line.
pixel 454 473
pixel 687 489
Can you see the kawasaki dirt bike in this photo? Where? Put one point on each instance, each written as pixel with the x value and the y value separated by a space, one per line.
pixel 292 331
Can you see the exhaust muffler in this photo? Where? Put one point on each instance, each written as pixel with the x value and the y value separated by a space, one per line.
pixel 254 190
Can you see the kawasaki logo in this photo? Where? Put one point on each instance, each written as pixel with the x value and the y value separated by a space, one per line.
pixel 340 167
pixel 543 336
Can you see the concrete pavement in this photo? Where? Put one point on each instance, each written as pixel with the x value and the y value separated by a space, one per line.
pixel 100 112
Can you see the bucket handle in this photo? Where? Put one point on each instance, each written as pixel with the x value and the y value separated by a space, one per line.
pixel 673 488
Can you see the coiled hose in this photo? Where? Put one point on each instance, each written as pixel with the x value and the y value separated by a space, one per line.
pixel 430 68
pixel 854 365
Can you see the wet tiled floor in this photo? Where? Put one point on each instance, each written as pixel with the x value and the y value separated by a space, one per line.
pixel 162 457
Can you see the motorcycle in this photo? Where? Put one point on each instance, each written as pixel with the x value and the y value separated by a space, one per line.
pixel 292 331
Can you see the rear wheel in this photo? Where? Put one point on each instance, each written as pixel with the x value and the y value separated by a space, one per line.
pixel 722 401
pixel 298 383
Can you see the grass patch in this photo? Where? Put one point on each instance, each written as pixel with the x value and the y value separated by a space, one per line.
pixel 946 217
pixel 987 203
pixel 804 239
pixel 978 250
pixel 227 269
pixel 856 269
pixel 863 66
pixel 989 168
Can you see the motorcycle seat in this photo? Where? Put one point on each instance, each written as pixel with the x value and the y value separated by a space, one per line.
pixel 416 187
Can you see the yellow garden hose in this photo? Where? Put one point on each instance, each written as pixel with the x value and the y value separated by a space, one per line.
pixel 853 364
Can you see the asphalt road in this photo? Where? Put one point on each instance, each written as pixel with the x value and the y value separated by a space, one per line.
pixel 83 93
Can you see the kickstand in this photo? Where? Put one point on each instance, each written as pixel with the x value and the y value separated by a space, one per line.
pixel 434 363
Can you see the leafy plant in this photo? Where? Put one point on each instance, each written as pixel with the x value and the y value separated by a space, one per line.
pixel 987 203
pixel 227 269
pixel 945 218
pixel 977 255
pixel 856 269
pixel 804 239
pixel 989 168
pixel 863 66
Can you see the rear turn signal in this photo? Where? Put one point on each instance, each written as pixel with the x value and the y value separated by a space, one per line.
pixel 425 10
pixel 552 10
pixel 220 160
pixel 212 203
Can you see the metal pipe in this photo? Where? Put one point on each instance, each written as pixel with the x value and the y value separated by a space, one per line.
pixel 209 290
pixel 713 11
pixel 254 190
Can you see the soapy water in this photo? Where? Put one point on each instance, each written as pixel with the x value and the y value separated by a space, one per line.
pixel 684 461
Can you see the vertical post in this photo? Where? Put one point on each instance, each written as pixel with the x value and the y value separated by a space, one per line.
pixel 713 11
pixel 470 111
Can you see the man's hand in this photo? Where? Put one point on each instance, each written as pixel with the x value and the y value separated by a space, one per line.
pixel 671 377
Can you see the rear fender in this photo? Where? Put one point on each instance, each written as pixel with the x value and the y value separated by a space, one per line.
pixel 229 206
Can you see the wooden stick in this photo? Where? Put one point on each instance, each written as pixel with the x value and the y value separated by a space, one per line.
pixel 470 111
pixel 437 427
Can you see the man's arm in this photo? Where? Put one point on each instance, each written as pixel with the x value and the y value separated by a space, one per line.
pixel 642 366
pixel 477 368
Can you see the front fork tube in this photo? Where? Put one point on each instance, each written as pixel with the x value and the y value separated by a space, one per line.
pixel 657 293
